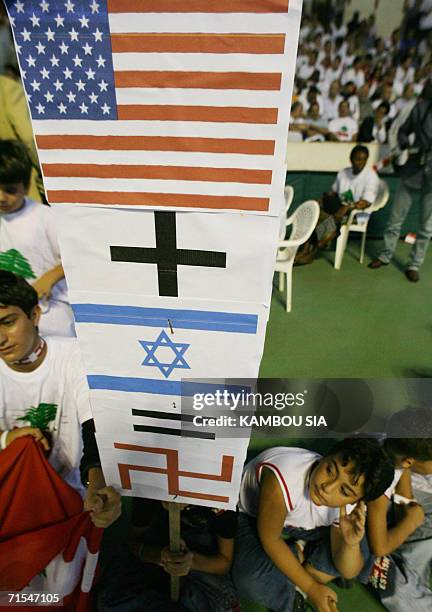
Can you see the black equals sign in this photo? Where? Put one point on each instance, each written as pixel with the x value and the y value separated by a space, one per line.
pixel 169 431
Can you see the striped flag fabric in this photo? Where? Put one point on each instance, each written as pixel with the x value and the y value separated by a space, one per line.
pixel 146 104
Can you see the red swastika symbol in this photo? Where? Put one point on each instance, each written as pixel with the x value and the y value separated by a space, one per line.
pixel 172 471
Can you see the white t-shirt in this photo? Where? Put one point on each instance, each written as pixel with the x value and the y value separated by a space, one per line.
pixel 364 186
pixel 392 488
pixel 358 78
pixel 32 232
pixel 344 128
pixel 58 380
pixel 292 467
pixel 331 107
pixel 422 490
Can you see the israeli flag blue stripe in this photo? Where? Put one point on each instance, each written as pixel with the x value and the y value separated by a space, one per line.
pixel 166 317
pixel 159 387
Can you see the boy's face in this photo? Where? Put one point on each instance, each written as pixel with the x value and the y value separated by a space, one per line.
pixel 332 484
pixel 11 197
pixel 18 333
pixel 358 161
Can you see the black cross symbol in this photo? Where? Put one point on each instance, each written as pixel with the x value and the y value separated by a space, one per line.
pixel 166 254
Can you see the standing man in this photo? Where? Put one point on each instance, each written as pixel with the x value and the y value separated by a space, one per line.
pixel 416 177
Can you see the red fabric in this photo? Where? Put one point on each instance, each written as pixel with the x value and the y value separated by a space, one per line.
pixel 40 517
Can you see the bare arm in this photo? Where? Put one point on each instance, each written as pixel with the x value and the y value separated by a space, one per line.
pixel 46 282
pixel 383 540
pixel 219 563
pixel 361 204
pixel 345 541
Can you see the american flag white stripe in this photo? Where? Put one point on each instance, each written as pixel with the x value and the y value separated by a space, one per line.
pixel 195 61
pixel 251 99
pixel 193 22
pixel 162 128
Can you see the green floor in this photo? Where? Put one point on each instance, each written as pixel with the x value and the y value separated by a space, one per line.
pixel 354 322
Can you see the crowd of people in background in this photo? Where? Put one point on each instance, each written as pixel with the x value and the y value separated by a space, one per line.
pixel 351 85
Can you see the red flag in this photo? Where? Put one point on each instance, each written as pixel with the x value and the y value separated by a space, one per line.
pixel 43 527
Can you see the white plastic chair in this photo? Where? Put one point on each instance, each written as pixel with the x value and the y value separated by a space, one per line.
pixel 288 198
pixel 358 221
pixel 303 222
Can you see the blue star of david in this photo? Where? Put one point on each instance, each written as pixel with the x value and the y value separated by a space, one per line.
pixel 164 341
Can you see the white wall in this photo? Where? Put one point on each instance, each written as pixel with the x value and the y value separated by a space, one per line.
pixel 388 15
pixel 327 156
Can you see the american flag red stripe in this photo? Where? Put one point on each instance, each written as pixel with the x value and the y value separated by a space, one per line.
pixel 197 6
pixel 224 114
pixel 157 143
pixel 198 80
pixel 182 173
pixel 158 199
pixel 198 43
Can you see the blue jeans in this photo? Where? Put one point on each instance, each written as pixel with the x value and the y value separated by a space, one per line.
pixel 258 579
pixel 128 585
pixel 401 207
pixel 412 569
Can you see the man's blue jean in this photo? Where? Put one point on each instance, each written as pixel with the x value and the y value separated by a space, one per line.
pixel 257 579
pixel 401 207
pixel 128 585
pixel 414 561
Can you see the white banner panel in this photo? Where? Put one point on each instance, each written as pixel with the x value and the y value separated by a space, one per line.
pixel 168 254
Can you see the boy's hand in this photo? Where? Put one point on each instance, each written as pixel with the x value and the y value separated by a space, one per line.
pixel 177 563
pixel 20 432
pixel 104 506
pixel 322 598
pixel 352 526
pixel 43 285
pixel 415 514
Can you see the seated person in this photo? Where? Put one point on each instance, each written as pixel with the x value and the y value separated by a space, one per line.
pixel 406 532
pixel 292 494
pixel 317 126
pixel 355 187
pixel 344 128
pixel 139 579
pixel 374 129
pixel 298 126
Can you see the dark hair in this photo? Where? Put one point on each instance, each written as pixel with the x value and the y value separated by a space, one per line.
pixel 16 291
pixel 385 105
pixel 403 430
pixel 359 149
pixel 366 458
pixel 15 163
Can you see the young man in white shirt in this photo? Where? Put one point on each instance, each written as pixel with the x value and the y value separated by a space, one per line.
pixel 344 128
pixel 297 493
pixel 28 240
pixel 35 372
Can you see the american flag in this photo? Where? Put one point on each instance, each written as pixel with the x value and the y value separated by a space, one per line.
pixel 160 103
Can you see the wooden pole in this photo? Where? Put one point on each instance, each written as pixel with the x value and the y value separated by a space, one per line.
pixel 174 534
